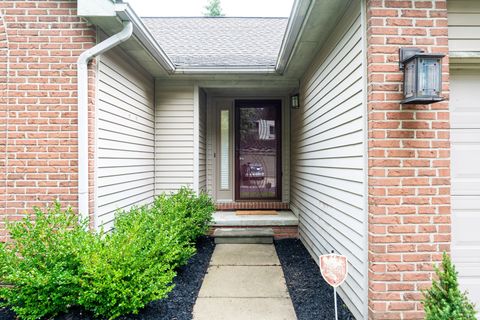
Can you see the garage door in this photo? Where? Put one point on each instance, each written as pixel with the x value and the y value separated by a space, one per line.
pixel 465 137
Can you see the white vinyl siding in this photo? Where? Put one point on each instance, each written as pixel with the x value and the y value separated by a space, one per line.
pixel 125 137
pixel 465 148
pixel 174 135
pixel 202 150
pixel 463 25
pixel 328 176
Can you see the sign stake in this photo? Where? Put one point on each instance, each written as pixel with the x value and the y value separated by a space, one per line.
pixel 335 301
pixel 334 269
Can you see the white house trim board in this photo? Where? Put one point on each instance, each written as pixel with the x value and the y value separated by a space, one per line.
pixel 196 138
pixel 363 23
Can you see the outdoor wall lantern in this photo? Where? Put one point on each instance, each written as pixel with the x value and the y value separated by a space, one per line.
pixel 295 101
pixel 422 80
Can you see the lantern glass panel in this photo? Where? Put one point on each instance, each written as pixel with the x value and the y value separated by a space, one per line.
pixel 409 80
pixel 428 77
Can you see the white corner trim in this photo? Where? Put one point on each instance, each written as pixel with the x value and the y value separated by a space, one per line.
pixel 196 138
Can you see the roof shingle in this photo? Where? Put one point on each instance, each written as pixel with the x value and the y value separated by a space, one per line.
pixel 219 41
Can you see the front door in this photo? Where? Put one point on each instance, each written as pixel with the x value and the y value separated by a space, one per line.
pixel 257 150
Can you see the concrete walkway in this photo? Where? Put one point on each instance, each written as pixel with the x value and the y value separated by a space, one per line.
pixel 244 281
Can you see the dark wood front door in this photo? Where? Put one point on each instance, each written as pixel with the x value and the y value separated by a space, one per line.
pixel 258 150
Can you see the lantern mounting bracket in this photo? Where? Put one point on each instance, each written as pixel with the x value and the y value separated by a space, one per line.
pixel 405 54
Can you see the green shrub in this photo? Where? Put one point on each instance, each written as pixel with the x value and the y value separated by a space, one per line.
pixel 41 263
pixel 444 300
pixel 129 267
pixel 52 262
pixel 193 213
pixel 135 264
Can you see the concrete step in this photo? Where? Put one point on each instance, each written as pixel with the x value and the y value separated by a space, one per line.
pixel 243 235
pixel 284 218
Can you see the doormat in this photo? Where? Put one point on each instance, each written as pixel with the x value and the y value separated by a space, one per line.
pixel 256 213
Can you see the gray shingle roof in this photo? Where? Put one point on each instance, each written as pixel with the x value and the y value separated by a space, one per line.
pixel 224 41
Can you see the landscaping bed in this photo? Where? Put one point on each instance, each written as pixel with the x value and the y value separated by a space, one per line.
pixel 56 268
pixel 312 297
pixel 180 301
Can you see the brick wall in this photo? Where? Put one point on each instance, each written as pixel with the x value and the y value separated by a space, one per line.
pixel 38 117
pixel 409 167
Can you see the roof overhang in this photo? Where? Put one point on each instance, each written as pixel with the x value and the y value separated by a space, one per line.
pixel 309 25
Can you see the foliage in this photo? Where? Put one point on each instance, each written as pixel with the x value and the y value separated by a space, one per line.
pixel 41 262
pixel 185 209
pixel 444 300
pixel 213 9
pixel 128 268
pixel 53 263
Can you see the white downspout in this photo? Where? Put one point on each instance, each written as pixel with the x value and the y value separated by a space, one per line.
pixel 82 91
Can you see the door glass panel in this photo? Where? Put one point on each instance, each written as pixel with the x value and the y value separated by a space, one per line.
pixel 224 149
pixel 258 151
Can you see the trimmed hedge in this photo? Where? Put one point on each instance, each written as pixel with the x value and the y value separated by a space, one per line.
pixel 53 263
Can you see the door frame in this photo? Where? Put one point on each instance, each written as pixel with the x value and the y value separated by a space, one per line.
pixel 258 103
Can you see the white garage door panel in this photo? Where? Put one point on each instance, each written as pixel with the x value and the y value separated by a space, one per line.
pixel 465 144
pixel 473 288
pixel 465 213
pixel 465 99
pixel 465 147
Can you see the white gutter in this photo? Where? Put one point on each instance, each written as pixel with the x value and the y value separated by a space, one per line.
pixel 229 70
pixel 82 89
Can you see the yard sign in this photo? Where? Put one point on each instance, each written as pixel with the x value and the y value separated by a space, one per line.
pixel 334 269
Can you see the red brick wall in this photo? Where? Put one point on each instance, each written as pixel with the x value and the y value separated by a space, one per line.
pixel 409 166
pixel 38 117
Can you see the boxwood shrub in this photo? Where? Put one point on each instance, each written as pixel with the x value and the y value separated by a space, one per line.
pixel 52 262
pixel 40 266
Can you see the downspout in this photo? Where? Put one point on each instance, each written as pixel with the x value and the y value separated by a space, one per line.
pixel 82 91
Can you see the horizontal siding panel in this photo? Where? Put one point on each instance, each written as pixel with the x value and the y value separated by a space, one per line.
pixel 128 199
pixel 126 154
pixel 349 73
pixel 174 111
pixel 125 170
pixel 125 145
pixel 463 19
pixel 180 172
pixel 123 82
pixel 328 115
pixel 123 163
pixel 108 204
pixel 333 162
pixel 126 138
pixel 114 96
pixel 463 25
pixel 127 116
pixel 328 178
pixel 165 164
pixel 465 32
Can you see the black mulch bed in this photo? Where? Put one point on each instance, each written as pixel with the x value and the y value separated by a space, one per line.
pixel 312 297
pixel 178 305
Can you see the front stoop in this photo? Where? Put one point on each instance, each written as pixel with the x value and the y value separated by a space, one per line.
pixel 284 225
pixel 243 235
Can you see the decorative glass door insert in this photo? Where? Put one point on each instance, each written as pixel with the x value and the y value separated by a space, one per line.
pixel 257 149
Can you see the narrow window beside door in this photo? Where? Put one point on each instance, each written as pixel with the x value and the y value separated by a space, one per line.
pixel 224 150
